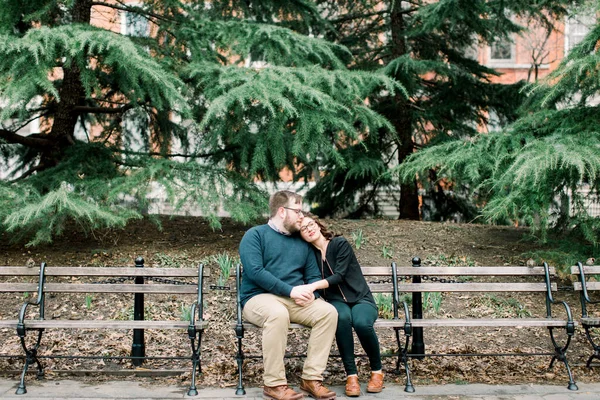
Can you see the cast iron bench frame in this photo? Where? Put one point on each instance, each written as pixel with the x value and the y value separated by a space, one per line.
pixel 396 322
pixel 408 324
pixel 194 327
pixel 583 286
pixel 437 284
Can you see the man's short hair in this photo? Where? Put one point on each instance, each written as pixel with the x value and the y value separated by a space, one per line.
pixel 281 199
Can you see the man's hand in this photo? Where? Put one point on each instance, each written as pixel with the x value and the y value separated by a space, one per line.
pixel 303 302
pixel 303 294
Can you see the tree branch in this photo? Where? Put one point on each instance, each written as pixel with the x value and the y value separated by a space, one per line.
pixel 33 140
pixel 25 123
pixel 351 17
pixel 103 110
pixel 29 172
pixel 134 9
pixel 169 155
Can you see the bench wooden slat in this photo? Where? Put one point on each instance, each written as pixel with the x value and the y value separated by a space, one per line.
pixel 591 321
pixel 119 288
pixel 104 271
pixel 514 322
pixel 452 322
pixel 379 323
pixel 474 271
pixel 376 271
pixel 381 287
pixel 20 271
pixel 104 324
pixel 18 287
pixel 8 323
pixel 589 285
pixel 366 271
pixel 587 269
pixel 474 287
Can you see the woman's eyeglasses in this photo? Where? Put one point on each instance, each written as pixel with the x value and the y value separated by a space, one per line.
pixel 307 227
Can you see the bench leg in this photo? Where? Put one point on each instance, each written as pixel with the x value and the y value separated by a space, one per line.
pixel 560 354
pixel 403 357
pixel 196 362
pixel 239 391
pixel 30 358
pixel 596 347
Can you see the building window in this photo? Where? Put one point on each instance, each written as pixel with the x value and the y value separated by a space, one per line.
pixel 502 50
pixel 576 28
pixel 134 24
pixel 471 52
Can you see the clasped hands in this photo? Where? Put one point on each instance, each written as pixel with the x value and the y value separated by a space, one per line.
pixel 303 295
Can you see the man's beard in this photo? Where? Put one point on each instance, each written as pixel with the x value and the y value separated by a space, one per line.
pixel 291 227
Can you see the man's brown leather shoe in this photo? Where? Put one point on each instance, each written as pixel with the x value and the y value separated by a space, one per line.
pixel 352 386
pixel 317 390
pixel 282 392
pixel 375 384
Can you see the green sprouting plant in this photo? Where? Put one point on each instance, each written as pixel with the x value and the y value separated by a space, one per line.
pixel 171 261
pixel 88 301
pixel 520 310
pixel 185 312
pixel 563 255
pixel 432 301
pixel 225 263
pixel 386 252
pixel 128 313
pixel 25 295
pixel 358 238
pixel 406 298
pixel 506 307
pixel 453 261
pixel 385 305
pixel 388 352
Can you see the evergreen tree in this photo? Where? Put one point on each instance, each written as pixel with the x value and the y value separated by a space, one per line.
pixel 425 46
pixel 196 100
pixel 544 169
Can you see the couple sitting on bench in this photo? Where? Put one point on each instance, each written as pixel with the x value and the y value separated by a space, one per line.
pixel 295 270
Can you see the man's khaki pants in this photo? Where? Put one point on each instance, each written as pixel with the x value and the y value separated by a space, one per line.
pixel 273 314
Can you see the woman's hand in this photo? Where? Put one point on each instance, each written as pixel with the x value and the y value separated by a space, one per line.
pixel 303 294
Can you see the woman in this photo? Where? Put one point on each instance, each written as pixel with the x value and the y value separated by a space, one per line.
pixel 345 287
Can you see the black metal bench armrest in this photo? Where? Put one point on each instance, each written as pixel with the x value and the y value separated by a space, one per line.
pixel 585 294
pixel 396 294
pixel 196 309
pixel 407 323
pixel 239 327
pixel 39 302
pixel 550 301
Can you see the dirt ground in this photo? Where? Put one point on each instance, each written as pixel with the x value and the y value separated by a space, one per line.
pixel 186 241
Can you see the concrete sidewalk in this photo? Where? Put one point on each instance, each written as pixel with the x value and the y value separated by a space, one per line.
pixel 122 389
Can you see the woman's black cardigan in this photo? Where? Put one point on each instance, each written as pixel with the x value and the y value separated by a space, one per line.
pixel 342 271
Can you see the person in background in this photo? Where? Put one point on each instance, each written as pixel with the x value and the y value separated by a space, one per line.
pixel 278 269
pixel 344 286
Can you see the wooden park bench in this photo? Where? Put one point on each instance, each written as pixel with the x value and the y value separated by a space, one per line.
pixel 52 281
pixel 417 279
pixel 399 322
pixel 584 285
pixel 501 279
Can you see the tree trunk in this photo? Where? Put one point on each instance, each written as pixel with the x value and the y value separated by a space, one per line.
pixel 401 118
pixel 71 94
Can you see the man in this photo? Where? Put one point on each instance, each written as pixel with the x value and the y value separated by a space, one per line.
pixel 278 265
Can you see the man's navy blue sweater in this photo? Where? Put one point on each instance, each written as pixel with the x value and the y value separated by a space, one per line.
pixel 275 263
